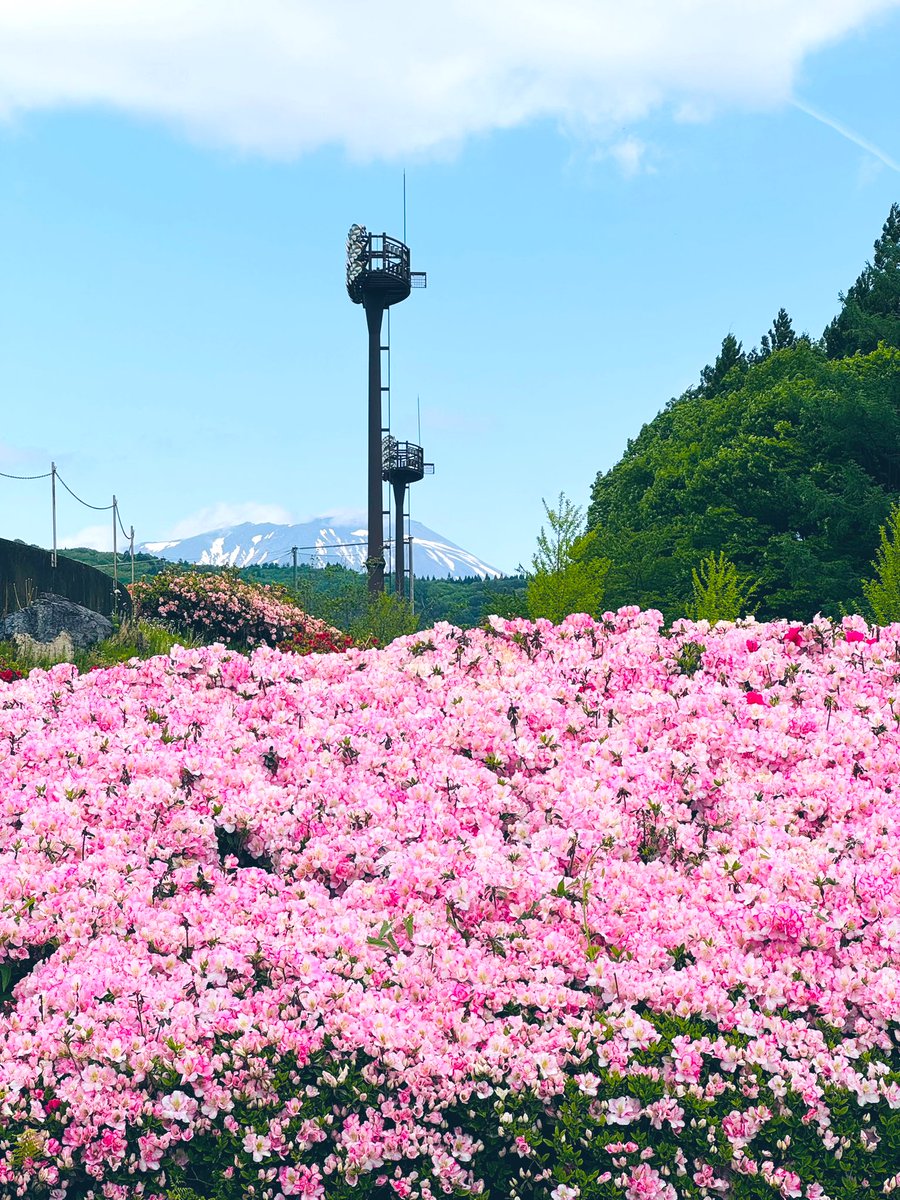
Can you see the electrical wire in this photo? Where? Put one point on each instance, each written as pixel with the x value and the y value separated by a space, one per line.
pixel 95 507
pixel 125 532
pixel 334 546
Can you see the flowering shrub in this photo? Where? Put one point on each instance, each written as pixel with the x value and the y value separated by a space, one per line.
pixel 8 674
pixel 585 912
pixel 225 608
pixel 313 640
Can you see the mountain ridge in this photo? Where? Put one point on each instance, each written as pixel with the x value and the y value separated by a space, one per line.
pixel 320 541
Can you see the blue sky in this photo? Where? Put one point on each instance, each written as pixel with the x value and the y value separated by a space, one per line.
pixel 598 192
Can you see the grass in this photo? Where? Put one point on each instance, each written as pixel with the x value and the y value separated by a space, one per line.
pixel 132 639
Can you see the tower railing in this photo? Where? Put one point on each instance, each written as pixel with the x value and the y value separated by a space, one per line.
pixel 401 456
pixel 375 254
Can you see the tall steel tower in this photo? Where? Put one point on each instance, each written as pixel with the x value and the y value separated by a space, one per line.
pixel 402 463
pixel 378 276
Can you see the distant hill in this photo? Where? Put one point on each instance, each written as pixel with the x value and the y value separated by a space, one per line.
pixel 144 564
pixel 319 542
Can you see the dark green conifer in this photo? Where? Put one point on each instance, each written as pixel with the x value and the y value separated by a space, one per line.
pixel 714 380
pixel 871 307
pixel 780 337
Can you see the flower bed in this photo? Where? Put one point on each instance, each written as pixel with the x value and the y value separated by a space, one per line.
pixel 577 912
pixel 223 607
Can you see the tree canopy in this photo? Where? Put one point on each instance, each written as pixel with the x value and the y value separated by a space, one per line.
pixel 566 576
pixel 871 307
pixel 789 469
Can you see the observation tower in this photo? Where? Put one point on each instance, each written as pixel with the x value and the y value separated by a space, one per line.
pixel 402 463
pixel 379 275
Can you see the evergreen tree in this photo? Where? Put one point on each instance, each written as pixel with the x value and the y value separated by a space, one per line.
pixel 720 591
pixel 883 592
pixel 567 578
pixel 871 308
pixel 780 337
pixel 715 380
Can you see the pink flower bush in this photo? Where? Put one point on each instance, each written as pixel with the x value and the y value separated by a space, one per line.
pixel 221 606
pixel 529 911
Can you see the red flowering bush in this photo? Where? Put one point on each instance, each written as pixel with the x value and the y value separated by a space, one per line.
pixel 223 607
pixel 317 641
pixel 527 912
pixel 8 674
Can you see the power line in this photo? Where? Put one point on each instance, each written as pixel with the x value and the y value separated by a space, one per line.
pixel 95 507
pixel 331 546
pixel 46 475
pixel 53 475
pixel 125 532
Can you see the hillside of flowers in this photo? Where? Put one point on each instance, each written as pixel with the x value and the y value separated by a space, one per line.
pixel 593 911
pixel 221 606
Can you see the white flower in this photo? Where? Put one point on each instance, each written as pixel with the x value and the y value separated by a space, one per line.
pixel 258 1145
pixel 177 1106
pixel 622 1110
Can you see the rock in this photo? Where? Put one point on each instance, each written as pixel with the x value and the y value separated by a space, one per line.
pixel 44 653
pixel 48 616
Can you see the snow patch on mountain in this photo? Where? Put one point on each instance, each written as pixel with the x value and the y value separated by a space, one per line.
pixel 319 542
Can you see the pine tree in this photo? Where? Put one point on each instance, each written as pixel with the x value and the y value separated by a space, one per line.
pixel 871 308
pixel 780 337
pixel 731 357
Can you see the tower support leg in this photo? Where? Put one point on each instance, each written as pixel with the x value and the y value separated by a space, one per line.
pixel 375 559
pixel 399 540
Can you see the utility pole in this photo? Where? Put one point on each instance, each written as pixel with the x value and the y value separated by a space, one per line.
pixel 115 559
pixel 53 505
pixel 294 554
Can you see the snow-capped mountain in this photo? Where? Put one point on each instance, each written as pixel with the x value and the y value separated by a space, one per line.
pixel 320 542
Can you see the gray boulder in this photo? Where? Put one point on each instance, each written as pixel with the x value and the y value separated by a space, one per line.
pixel 48 616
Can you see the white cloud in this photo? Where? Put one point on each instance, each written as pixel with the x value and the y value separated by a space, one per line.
pixel 224 514
pixel 339 515
pixel 95 537
pixel 284 76
pixel 630 154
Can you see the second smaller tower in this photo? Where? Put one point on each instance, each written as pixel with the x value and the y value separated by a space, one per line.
pixel 402 463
